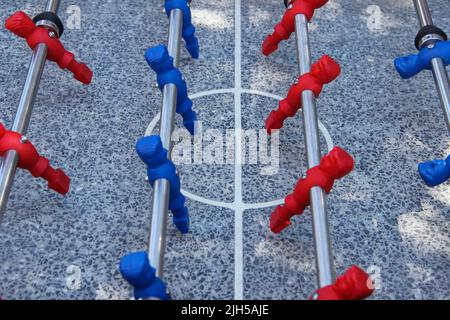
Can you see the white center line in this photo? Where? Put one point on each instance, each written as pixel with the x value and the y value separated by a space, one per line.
pixel 239 211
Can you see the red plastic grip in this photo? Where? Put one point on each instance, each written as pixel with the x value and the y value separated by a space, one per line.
pixel 286 27
pixel 354 284
pixel 333 166
pixel 29 159
pixel 324 71
pixel 21 25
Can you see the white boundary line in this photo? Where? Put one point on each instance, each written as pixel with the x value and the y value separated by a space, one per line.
pixel 239 208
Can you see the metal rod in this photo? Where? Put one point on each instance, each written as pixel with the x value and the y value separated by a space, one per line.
pixel 161 189
pixel 442 83
pixel 423 12
pixel 52 6
pixel 23 114
pixel 439 73
pixel 324 258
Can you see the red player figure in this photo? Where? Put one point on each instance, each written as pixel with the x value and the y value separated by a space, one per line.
pixel 21 25
pixel 29 159
pixel 322 72
pixel 333 166
pixel 354 284
pixel 286 27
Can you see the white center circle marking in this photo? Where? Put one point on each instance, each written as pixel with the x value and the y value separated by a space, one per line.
pixel 232 205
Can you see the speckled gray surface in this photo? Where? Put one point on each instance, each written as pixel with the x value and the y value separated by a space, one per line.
pixel 382 216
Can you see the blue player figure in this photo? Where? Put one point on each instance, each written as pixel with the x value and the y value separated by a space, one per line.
pixel 151 151
pixel 162 63
pixel 435 172
pixel 136 269
pixel 188 34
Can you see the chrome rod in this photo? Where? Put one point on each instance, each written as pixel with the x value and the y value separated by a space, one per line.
pixel 23 114
pixel 423 12
pixel 439 73
pixel 52 6
pixel 324 257
pixel 156 246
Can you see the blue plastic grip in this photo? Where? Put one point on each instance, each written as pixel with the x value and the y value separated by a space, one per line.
pixel 413 64
pixel 188 28
pixel 162 63
pixel 152 153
